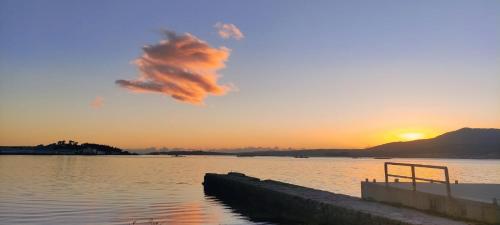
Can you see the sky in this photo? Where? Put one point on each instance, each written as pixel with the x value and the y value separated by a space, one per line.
pixel 229 74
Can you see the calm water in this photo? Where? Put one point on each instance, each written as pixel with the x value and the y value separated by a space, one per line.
pixel 123 189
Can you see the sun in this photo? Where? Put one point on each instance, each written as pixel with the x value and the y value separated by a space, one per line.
pixel 410 136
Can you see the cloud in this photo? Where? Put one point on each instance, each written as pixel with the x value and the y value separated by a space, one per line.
pixel 97 103
pixel 181 66
pixel 228 30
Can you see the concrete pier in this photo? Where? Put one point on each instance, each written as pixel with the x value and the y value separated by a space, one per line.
pixel 292 204
pixel 466 201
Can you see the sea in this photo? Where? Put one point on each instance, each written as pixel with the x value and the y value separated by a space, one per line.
pixel 168 190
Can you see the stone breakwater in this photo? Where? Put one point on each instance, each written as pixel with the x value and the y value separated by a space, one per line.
pixel 291 204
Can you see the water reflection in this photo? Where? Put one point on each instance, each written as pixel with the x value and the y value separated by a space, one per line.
pixel 263 213
pixel 181 213
pixel 121 189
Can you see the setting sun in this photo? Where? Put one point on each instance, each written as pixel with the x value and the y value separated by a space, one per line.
pixel 411 136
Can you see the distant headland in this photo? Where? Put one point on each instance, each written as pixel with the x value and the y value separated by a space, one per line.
pixel 64 148
pixel 466 143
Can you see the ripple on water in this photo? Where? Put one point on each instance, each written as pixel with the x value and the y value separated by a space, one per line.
pixel 168 190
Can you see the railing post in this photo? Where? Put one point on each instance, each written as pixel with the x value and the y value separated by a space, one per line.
pixel 386 177
pixel 447 177
pixel 414 182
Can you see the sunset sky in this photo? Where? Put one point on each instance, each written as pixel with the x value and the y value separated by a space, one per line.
pixel 222 74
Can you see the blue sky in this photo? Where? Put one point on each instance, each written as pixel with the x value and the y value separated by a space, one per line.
pixel 308 73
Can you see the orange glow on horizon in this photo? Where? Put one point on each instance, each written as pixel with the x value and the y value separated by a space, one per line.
pixel 411 136
pixel 403 134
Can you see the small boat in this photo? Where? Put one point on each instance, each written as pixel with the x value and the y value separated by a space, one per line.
pixel 301 156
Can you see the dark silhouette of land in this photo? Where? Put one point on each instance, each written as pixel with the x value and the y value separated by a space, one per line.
pixel 63 148
pixel 195 152
pixel 473 143
pixel 476 143
pixel 462 143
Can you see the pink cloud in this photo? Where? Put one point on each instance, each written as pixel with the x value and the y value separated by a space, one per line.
pixel 228 30
pixel 97 103
pixel 181 66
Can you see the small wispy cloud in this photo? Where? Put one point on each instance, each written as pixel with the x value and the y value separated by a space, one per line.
pixel 228 30
pixel 97 103
pixel 181 66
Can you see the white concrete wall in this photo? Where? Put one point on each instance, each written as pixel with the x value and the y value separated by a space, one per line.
pixel 454 207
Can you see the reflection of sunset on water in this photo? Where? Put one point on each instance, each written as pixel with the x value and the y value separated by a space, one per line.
pixel 124 189
pixel 175 213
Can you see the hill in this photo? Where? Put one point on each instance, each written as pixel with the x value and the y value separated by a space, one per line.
pixel 473 143
pixel 462 143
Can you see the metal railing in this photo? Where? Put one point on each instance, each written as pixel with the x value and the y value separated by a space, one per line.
pixel 414 178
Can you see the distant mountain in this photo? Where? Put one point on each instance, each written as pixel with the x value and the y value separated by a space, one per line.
pixel 475 143
pixel 197 152
pixel 462 143
pixel 303 153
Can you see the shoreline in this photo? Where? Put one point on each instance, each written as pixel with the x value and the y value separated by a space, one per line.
pixel 256 156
